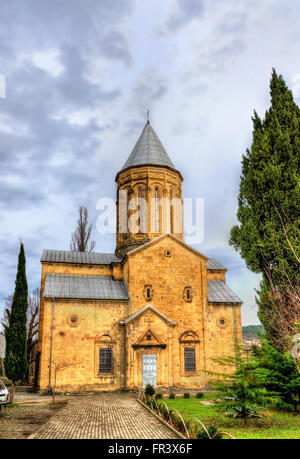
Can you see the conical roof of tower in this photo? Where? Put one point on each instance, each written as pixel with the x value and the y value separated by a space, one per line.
pixel 148 151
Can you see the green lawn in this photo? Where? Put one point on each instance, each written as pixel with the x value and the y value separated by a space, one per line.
pixel 274 424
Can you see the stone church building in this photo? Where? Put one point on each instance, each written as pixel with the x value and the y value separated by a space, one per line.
pixel 155 311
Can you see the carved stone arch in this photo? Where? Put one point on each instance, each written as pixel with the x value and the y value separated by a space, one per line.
pixel 139 185
pixel 106 338
pixel 157 185
pixel 189 336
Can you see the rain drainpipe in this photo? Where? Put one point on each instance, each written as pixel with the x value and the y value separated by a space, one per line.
pixel 51 343
pixel 235 337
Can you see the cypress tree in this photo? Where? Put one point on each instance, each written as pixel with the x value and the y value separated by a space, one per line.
pixel 15 333
pixel 268 204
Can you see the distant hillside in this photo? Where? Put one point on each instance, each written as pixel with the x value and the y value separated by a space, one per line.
pixel 252 331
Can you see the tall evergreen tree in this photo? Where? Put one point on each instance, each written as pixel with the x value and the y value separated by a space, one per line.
pixel 15 332
pixel 269 212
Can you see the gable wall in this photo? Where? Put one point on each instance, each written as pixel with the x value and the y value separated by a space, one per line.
pixel 214 274
pixel 168 277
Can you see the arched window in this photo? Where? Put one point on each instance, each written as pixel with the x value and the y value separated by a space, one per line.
pixel 140 210
pixel 189 354
pixel 188 294
pixel 156 210
pixel 171 212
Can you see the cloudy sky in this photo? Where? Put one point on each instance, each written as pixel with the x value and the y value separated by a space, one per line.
pixel 80 76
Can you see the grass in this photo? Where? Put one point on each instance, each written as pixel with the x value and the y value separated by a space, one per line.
pixel 273 425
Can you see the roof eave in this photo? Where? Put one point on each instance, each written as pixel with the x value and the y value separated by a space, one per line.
pixel 217 269
pixel 50 297
pixel 150 165
pixel 226 302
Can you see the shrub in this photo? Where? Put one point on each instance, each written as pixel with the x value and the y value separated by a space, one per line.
pixel 171 395
pixel 242 411
pixel 186 395
pixel 199 395
pixel 153 404
pixel 164 411
pixel 176 421
pixel 149 390
pixel 158 396
pixel 213 432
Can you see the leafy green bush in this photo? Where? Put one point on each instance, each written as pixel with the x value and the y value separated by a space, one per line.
pixel 171 395
pixel 199 395
pixel 186 395
pixel 213 432
pixel 158 395
pixel 149 390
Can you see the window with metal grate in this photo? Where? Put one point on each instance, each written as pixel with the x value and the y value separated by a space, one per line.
pixel 105 360
pixel 189 359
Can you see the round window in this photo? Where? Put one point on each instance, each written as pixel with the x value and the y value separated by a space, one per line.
pixel 73 320
pixel 221 322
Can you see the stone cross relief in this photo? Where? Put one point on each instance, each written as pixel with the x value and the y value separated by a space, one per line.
pixel 149 321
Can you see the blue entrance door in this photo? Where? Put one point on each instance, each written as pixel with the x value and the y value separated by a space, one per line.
pixel 149 369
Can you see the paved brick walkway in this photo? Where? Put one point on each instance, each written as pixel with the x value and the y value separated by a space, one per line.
pixel 104 416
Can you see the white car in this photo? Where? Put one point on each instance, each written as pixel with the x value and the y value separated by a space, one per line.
pixel 4 394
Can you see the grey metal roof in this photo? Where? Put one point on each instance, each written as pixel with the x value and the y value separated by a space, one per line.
pixel 219 292
pixel 88 287
pixel 144 309
pixel 213 264
pixel 148 150
pixel 2 346
pixel 93 258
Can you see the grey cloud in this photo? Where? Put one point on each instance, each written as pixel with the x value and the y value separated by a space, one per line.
pixel 149 88
pixel 34 99
pixel 187 10
pixel 219 57
pixel 20 197
pixel 114 47
pixel 46 22
pixel 31 181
